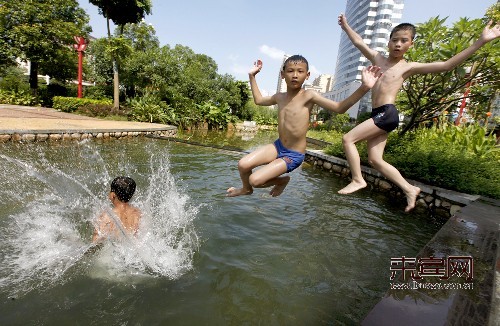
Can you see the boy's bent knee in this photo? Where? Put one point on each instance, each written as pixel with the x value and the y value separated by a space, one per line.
pixel 346 140
pixel 255 182
pixel 244 165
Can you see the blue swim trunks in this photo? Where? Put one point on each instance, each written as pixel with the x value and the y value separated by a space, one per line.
pixel 292 159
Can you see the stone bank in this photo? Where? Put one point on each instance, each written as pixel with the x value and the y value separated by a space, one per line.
pixel 438 201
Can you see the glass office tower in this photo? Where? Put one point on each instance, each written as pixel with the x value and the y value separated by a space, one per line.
pixel 373 21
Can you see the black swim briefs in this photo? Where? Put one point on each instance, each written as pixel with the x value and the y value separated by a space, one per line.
pixel 386 117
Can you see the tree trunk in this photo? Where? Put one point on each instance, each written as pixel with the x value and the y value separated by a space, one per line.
pixel 116 86
pixel 116 83
pixel 34 78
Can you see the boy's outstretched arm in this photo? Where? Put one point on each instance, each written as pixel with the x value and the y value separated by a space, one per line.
pixel 356 39
pixel 369 77
pixel 257 96
pixel 489 33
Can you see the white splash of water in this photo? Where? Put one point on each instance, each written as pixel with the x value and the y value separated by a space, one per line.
pixel 166 240
pixel 46 237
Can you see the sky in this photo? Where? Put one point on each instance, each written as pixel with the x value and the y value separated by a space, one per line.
pixel 235 33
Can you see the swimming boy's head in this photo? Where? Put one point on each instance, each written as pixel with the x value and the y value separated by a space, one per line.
pixel 294 59
pixel 405 27
pixel 123 187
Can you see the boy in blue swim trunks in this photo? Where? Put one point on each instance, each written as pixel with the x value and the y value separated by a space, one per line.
pixel 384 115
pixel 294 109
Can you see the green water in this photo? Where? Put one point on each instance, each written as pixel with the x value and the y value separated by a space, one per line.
pixel 308 257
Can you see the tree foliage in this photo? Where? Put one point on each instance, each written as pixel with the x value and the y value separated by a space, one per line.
pixel 121 12
pixel 426 96
pixel 42 32
pixel 182 85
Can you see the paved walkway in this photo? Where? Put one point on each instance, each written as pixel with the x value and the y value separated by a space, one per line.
pixel 23 119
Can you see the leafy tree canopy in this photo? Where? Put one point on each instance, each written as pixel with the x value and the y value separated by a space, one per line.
pixel 428 95
pixel 122 12
pixel 42 32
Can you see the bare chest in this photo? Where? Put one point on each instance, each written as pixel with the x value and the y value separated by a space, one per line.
pixel 393 75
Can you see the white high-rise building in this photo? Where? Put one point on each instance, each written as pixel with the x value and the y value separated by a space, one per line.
pixel 324 82
pixel 281 82
pixel 373 21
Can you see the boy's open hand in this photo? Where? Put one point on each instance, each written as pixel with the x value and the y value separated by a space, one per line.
pixel 370 75
pixel 257 66
pixel 342 20
pixel 490 33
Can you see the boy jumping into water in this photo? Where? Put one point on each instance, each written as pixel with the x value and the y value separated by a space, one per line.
pixel 294 108
pixel 122 190
pixel 384 117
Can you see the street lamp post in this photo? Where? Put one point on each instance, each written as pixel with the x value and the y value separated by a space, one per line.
pixel 468 72
pixel 80 46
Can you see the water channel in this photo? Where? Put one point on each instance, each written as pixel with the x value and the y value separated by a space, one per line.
pixel 308 257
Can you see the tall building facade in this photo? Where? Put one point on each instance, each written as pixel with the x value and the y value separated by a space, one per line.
pixel 281 82
pixel 324 82
pixel 373 21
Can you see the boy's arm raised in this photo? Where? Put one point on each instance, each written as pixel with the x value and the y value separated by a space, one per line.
pixel 356 39
pixel 257 96
pixel 369 77
pixel 489 33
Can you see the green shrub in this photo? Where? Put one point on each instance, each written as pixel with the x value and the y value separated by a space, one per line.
pixel 337 122
pixel 13 79
pixel 102 111
pixel 149 108
pixel 460 158
pixel 265 116
pixel 98 92
pixel 215 116
pixel 46 93
pixel 447 165
pixel 262 115
pixel 71 104
pixel 17 98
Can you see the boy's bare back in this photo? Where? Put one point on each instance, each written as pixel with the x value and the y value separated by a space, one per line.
pixel 129 216
pixel 122 189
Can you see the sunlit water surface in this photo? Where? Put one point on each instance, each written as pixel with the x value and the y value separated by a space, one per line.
pixel 308 257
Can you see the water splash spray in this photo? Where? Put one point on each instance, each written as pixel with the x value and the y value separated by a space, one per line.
pixel 47 232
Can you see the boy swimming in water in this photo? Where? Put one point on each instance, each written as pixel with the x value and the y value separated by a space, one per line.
pixel 122 190
pixel 294 109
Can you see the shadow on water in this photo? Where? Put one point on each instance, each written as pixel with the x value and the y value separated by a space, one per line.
pixel 309 256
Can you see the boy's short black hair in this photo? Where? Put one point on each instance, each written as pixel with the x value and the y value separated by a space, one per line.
pixel 405 27
pixel 295 58
pixel 123 187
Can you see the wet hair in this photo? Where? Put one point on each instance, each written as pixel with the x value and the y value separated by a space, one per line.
pixel 295 58
pixel 405 27
pixel 123 187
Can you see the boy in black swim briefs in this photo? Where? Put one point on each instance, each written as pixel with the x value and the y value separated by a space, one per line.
pixel 294 109
pixel 385 116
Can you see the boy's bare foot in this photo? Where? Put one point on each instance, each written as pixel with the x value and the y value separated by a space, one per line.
pixel 352 187
pixel 411 198
pixel 278 188
pixel 233 192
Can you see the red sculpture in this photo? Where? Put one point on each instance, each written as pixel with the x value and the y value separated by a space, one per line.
pixel 80 47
